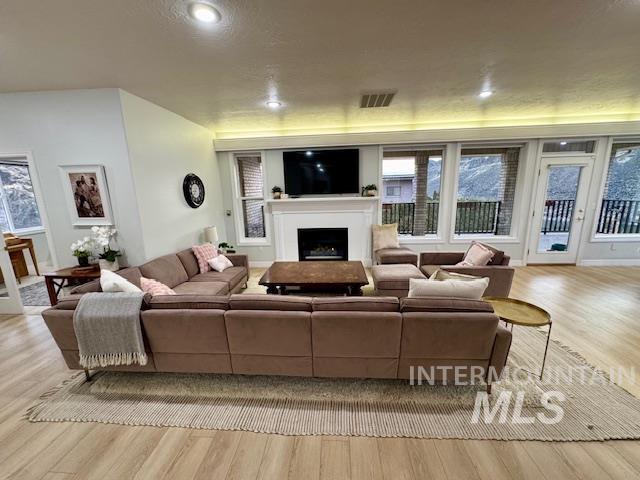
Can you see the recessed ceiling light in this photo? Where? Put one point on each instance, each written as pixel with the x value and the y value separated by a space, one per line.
pixel 485 93
pixel 308 153
pixel 204 12
pixel 563 143
pixel 274 104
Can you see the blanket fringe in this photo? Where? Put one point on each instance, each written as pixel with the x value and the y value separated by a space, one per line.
pixel 113 359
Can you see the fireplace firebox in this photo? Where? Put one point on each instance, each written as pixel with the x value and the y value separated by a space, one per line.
pixel 323 244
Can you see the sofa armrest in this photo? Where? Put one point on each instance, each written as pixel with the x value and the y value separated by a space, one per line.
pixel 500 353
pixel 92 286
pixel 238 260
pixel 440 258
pixel 500 277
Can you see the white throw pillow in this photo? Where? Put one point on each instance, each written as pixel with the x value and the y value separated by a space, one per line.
pixel 112 282
pixel 385 236
pixel 472 289
pixel 220 263
pixel 440 275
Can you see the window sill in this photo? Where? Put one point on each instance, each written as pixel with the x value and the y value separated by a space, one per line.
pixel 29 231
pixel 615 238
pixel 488 239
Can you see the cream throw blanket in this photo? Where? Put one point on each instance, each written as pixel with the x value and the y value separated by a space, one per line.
pixel 107 327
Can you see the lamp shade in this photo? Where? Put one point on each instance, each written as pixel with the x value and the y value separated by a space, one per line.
pixel 211 235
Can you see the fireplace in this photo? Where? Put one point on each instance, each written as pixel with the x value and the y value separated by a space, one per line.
pixel 323 244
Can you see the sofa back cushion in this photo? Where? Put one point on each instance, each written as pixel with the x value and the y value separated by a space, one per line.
pixel 189 302
pixel 270 302
pixel 448 335
pixel 189 262
pixel 168 270
pixel 355 304
pixel 444 304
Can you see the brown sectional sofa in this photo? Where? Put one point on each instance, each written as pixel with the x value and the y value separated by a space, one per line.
pixel 358 337
pixel 181 273
pixel 498 271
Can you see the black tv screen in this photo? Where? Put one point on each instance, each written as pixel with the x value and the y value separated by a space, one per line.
pixel 314 172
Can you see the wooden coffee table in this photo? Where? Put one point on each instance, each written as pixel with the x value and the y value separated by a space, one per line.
pixel 56 281
pixel 318 276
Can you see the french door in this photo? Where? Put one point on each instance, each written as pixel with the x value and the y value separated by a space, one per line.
pixel 559 209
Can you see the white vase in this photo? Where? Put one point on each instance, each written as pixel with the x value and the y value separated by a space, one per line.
pixel 107 265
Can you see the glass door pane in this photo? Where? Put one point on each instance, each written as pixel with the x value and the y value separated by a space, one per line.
pixel 559 206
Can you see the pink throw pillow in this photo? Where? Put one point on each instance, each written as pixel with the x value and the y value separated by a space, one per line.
pixel 154 287
pixel 477 256
pixel 204 253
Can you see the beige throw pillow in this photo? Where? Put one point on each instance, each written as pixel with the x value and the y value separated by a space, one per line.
pixel 444 275
pixel 472 289
pixel 385 236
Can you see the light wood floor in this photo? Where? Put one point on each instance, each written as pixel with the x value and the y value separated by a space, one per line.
pixel 595 310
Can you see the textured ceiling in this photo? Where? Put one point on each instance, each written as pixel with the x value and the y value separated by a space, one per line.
pixel 549 61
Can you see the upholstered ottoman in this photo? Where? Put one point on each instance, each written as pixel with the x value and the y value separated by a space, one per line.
pixel 386 256
pixel 393 280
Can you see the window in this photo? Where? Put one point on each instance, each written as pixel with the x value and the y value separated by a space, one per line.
pixel 18 208
pixel 486 191
pixel 576 146
pixel 412 181
pixel 251 196
pixel 393 191
pixel 620 208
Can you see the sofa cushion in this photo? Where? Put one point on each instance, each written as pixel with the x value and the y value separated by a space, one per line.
pixel 232 276
pixel 189 262
pixel 202 288
pixel 396 255
pixel 188 302
pixel 442 304
pixel 394 277
pixel 168 270
pixel 270 302
pixel 355 304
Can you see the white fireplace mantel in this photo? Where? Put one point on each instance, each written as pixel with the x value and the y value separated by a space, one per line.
pixel 357 214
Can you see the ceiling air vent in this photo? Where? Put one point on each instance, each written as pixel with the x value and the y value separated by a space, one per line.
pixel 375 100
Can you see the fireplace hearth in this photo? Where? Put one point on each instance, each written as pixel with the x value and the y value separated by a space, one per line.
pixel 323 244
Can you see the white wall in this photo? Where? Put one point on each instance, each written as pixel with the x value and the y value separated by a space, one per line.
pixel 74 127
pixel 163 148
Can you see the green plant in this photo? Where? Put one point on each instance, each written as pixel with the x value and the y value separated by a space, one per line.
pixel 224 246
pixel 82 248
pixel 276 189
pixel 102 237
pixel 369 187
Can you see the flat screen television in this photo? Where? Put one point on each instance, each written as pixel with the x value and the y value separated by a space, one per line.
pixel 316 172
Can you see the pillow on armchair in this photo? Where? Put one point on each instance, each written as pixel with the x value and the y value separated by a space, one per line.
pixel 385 236
pixel 478 255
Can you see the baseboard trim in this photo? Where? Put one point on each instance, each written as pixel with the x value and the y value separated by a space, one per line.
pixel 260 264
pixel 623 262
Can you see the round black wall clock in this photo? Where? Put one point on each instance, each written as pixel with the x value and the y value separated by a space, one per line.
pixel 193 190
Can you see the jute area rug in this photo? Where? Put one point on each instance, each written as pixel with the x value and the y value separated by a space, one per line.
pixel 593 408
